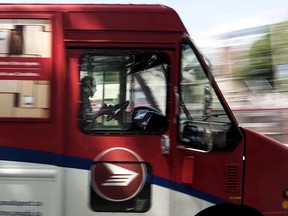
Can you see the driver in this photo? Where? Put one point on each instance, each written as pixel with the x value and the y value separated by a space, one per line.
pixel 87 115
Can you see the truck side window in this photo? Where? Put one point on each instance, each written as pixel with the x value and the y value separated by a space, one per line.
pixel 123 91
pixel 203 122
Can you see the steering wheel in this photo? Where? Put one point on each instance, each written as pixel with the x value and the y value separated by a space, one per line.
pixel 118 108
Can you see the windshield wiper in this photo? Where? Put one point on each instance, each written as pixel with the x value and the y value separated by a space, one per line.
pixel 206 117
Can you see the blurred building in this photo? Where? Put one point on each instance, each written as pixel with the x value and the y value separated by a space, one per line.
pixel 251 69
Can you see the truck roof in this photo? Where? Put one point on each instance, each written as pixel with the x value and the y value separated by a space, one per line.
pixel 104 16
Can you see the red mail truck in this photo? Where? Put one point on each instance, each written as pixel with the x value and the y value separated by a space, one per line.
pixel 111 109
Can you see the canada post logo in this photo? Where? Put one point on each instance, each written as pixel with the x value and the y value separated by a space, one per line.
pixel 118 174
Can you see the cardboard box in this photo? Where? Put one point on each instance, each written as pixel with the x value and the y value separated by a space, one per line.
pixel 31 113
pixel 9 86
pixel 42 93
pixel 7 103
pixel 26 88
pixel 42 82
pixel 4 40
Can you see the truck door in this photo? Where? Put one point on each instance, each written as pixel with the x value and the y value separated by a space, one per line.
pixel 117 117
pixel 209 155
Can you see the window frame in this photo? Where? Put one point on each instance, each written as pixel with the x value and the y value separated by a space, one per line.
pixel 234 133
pixel 113 52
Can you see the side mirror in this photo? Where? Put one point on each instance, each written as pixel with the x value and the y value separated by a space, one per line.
pixel 200 139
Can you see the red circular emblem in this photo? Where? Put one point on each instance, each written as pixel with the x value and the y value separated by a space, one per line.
pixel 118 174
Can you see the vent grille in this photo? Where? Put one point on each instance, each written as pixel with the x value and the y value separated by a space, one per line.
pixel 232 178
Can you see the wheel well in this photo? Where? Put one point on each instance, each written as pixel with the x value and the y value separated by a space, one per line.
pixel 228 210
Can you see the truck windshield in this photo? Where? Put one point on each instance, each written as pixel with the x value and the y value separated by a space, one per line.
pixel 198 98
pixel 203 122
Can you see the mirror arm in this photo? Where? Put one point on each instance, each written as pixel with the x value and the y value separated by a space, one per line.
pixel 182 147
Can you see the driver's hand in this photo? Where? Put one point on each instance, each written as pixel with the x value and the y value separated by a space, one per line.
pixel 106 109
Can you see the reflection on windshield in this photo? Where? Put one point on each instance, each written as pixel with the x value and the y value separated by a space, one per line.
pixel 150 88
pixel 203 125
pixel 199 101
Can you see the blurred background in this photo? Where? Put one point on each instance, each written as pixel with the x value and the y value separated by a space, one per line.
pixel 247 44
pixel 248 48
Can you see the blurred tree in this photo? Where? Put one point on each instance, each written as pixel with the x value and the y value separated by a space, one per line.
pixel 279 34
pixel 260 58
pixel 241 67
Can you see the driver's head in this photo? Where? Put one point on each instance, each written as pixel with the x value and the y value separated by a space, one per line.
pixel 88 86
